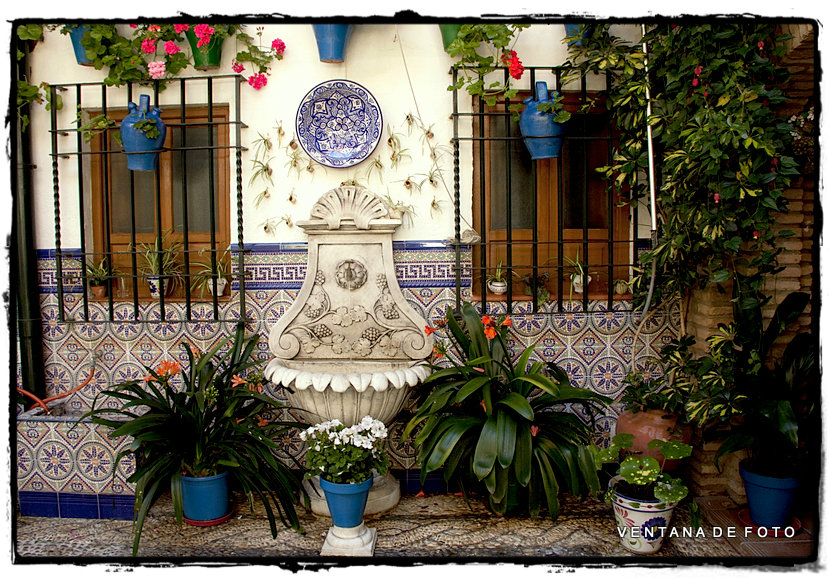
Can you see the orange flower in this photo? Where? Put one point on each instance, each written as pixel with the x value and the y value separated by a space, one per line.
pixel 534 430
pixel 439 350
pixel 262 422
pixel 490 332
pixel 237 380
pixel 486 320
pixel 167 369
pixel 506 322
pixel 430 329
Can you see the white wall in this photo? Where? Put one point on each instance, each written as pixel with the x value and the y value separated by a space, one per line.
pixel 403 66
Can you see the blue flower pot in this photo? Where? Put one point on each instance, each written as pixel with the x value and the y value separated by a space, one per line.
pixel 332 40
pixel 573 30
pixel 769 498
pixel 541 133
pixel 346 501
pixel 75 35
pixel 205 499
pixel 142 152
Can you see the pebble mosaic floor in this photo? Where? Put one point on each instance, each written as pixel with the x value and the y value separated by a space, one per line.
pixel 431 529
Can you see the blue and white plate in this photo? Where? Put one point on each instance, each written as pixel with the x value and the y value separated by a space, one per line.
pixel 339 123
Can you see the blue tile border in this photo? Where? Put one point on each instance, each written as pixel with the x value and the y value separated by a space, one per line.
pixel 42 504
pixel 76 505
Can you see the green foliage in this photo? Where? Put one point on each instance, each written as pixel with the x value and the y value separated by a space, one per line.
pixel 149 127
pixel 98 273
pixel 259 58
pixel 161 259
pixel 33 32
pixel 99 124
pixel 643 476
pixel 724 156
pixel 209 424
pixel 28 94
pixel 642 393
pixel 341 454
pixel 122 57
pixel 203 278
pixel 478 50
pixel 491 420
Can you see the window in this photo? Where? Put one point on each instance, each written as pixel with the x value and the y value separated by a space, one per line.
pixel 538 216
pixel 130 208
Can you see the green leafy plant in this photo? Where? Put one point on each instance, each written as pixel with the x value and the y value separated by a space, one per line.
pixel 210 423
pixel 498 275
pixel 203 277
pixel 642 476
pixel 490 420
pixel 341 454
pixel 725 155
pixel 643 392
pixel 481 49
pixel 149 127
pixel 769 409
pixel 98 125
pixel 536 283
pixel 98 273
pixel 161 259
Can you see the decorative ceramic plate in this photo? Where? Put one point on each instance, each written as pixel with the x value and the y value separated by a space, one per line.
pixel 339 123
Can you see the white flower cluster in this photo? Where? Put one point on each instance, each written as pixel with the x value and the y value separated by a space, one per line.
pixel 364 434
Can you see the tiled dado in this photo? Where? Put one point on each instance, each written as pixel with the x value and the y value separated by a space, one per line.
pixel 67 469
pixel 596 347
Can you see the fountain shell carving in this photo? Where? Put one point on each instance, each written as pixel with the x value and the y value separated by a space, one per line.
pixel 350 345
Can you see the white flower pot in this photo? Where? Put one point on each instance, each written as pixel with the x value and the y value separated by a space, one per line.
pixel 641 525
pixel 221 284
pixel 497 287
pixel 578 283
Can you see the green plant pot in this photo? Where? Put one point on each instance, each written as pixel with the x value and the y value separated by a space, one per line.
pixel 205 60
pixel 449 32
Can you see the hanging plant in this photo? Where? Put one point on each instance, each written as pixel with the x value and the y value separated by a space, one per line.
pixel 481 49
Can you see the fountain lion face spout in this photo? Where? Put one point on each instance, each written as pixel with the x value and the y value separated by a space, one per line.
pixel 350 345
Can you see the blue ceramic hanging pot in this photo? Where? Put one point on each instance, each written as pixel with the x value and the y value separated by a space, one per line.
pixel 346 501
pixel 142 151
pixel 76 35
pixel 332 40
pixel 540 131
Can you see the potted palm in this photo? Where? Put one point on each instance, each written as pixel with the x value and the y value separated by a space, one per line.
pixel 345 459
pixel 643 496
pixel 205 277
pixel 160 265
pixel 202 427
pixel 496 424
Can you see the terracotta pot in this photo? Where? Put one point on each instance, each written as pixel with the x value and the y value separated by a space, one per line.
pixel 98 291
pixel 653 424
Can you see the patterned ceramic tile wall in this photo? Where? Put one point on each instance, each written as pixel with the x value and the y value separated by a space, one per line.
pixel 595 347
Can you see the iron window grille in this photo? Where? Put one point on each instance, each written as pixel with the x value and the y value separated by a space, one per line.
pixel 192 92
pixel 558 246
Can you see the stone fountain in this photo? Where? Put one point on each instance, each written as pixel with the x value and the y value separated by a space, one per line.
pixel 350 345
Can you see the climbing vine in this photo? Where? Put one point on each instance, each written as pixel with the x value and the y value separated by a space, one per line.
pixel 722 152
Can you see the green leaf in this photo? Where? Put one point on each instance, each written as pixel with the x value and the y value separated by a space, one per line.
pixel 518 404
pixel 523 453
pixel 471 387
pixel 506 431
pixel 486 450
pixel 448 440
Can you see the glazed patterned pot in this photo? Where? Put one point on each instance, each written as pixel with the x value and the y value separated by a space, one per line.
pixel 642 525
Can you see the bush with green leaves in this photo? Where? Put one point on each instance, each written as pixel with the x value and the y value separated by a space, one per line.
pixel 495 423
pixel 211 423
pixel 341 454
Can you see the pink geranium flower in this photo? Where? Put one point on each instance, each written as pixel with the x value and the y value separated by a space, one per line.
pixel 171 47
pixel 237 67
pixel 157 69
pixel 258 81
pixel 278 46
pixel 179 28
pixel 148 45
pixel 202 30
